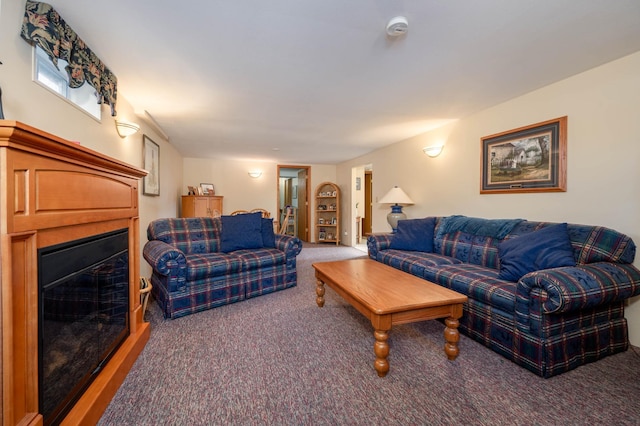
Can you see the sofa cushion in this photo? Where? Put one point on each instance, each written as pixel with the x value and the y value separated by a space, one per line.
pixel 545 248
pixel 268 236
pixel 469 248
pixel 480 284
pixel 189 235
pixel 242 231
pixel 209 265
pixel 260 258
pixel 414 235
pixel 416 263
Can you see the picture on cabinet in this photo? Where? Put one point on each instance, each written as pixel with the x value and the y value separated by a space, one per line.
pixel 207 189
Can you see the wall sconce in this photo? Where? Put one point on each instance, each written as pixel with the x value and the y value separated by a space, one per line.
pixel 255 174
pixel 433 151
pixel 126 129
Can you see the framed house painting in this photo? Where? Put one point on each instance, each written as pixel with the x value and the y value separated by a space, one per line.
pixel 528 159
pixel 151 163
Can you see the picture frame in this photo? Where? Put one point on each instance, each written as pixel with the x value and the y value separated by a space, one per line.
pixel 528 159
pixel 321 235
pixel 151 163
pixel 208 189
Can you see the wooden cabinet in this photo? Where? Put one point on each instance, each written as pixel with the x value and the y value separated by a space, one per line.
pixel 201 206
pixel 327 213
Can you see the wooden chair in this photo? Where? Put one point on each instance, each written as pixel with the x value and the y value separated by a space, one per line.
pixel 289 223
pixel 265 213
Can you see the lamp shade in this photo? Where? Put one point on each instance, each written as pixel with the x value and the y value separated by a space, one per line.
pixel 395 196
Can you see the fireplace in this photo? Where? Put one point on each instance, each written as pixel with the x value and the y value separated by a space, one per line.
pixel 83 315
pixel 71 320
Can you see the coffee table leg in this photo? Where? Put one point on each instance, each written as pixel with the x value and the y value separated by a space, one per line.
pixel 451 336
pixel 320 293
pixel 381 349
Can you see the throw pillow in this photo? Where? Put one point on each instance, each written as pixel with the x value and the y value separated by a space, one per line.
pixel 242 231
pixel 545 248
pixel 414 235
pixel 268 237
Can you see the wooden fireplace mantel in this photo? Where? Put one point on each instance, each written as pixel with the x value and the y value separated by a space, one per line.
pixel 53 191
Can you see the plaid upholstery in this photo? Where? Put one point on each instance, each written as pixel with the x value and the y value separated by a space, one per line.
pixel 549 322
pixel 189 235
pixel 475 249
pixel 190 274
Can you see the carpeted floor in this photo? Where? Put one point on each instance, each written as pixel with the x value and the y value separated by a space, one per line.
pixel 278 359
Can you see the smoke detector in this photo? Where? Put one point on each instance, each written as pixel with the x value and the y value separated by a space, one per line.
pixel 397 26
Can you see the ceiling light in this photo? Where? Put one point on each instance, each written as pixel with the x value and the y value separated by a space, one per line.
pixel 397 26
pixel 126 129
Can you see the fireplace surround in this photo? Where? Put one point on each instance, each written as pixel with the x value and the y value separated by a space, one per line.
pixel 53 193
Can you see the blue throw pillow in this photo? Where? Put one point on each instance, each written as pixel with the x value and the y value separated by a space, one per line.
pixel 268 237
pixel 242 231
pixel 545 248
pixel 414 235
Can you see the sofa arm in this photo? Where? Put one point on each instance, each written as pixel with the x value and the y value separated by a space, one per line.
pixel 377 243
pixel 168 262
pixel 292 246
pixel 574 288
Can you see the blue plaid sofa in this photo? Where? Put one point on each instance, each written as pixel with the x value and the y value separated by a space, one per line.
pixel 550 320
pixel 191 273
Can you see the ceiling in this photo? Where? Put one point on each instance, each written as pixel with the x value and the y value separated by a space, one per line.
pixel 321 82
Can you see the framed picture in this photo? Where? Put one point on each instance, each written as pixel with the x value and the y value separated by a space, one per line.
pixel 207 189
pixel 321 235
pixel 151 163
pixel 528 159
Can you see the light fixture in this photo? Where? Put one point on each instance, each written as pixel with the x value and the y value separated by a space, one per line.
pixel 255 174
pixel 125 128
pixel 433 151
pixel 397 26
pixel 395 197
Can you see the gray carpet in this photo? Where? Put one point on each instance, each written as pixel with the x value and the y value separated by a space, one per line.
pixel 278 359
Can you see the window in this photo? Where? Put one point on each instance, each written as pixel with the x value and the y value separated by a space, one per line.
pixel 57 81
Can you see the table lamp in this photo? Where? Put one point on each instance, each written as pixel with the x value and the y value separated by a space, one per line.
pixel 396 196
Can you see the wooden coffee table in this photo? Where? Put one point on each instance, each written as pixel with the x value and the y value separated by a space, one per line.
pixel 388 296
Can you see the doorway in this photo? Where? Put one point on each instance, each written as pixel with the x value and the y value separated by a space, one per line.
pixel 293 190
pixel 368 204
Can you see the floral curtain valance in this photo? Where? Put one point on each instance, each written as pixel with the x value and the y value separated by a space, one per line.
pixel 43 26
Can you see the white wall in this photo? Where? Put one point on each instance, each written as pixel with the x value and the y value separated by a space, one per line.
pixel 603 178
pixel 28 102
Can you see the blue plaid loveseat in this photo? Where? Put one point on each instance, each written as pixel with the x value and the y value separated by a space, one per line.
pixel 548 321
pixel 192 274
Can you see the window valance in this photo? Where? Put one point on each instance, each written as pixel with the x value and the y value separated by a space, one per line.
pixel 43 26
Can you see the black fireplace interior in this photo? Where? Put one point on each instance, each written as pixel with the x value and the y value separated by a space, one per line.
pixel 83 315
